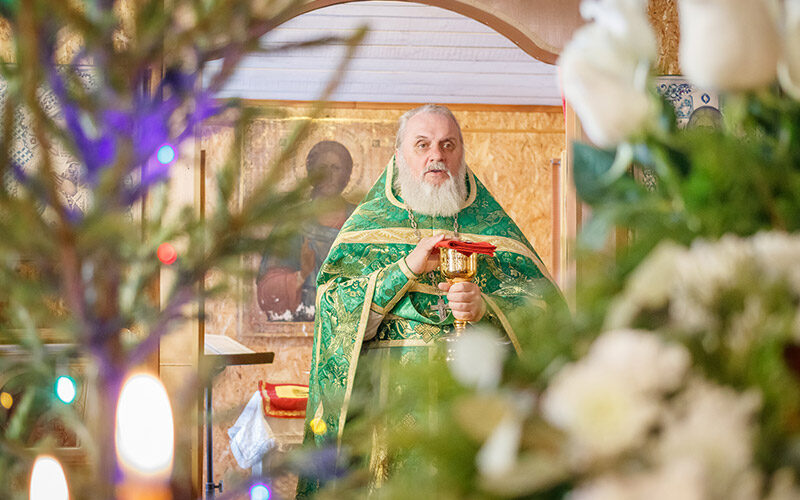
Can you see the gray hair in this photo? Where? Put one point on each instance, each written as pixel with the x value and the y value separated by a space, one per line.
pixel 435 109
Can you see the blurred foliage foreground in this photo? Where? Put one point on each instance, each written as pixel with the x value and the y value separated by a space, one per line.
pixel 90 92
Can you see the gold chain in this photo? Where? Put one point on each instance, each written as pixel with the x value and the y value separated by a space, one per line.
pixel 416 228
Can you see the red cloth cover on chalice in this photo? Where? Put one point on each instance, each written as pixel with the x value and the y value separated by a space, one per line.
pixel 283 400
pixel 468 247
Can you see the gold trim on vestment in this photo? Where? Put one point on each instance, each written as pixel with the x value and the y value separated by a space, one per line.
pixel 473 187
pixel 320 411
pixel 504 321
pixel 378 460
pixel 425 288
pixel 381 344
pixel 362 326
pixel 285 413
pixel 411 275
pixel 407 235
pixel 317 341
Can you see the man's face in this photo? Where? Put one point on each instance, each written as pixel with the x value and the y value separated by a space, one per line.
pixel 431 139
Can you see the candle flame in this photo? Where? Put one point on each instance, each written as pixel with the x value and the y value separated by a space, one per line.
pixel 144 433
pixel 48 481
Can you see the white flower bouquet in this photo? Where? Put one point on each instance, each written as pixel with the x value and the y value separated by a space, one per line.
pixel 691 390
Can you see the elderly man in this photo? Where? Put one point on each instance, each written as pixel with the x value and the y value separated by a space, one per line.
pixel 378 294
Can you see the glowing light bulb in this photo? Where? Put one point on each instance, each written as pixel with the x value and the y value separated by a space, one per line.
pixel 66 390
pixel 167 253
pixel 48 481
pixel 6 400
pixel 166 154
pixel 259 492
pixel 144 433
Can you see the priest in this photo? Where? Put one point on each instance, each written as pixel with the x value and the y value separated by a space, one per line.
pixel 379 294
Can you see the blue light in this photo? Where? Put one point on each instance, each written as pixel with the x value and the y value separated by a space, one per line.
pixel 166 154
pixel 259 492
pixel 66 389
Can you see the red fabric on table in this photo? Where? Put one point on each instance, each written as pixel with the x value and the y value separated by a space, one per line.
pixel 468 247
pixel 283 400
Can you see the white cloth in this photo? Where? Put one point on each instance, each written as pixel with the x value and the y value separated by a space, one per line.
pixel 251 436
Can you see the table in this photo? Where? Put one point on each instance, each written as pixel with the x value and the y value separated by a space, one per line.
pixel 219 352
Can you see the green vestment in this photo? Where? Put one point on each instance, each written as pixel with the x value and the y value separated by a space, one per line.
pixel 365 271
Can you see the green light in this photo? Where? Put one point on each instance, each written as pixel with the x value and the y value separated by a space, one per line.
pixel 9 5
pixel 66 390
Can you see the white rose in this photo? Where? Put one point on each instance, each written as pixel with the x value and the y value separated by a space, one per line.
pixel 604 69
pixel 728 44
pixel 601 413
pixel 498 454
pixel 713 426
pixel 679 479
pixel 603 488
pixel 783 485
pixel 627 22
pixel 606 88
pixel 648 287
pixel 703 271
pixel 642 358
pixel 789 65
pixel 477 358
pixel 776 254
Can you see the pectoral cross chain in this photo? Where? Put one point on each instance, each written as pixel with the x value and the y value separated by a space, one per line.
pixel 440 308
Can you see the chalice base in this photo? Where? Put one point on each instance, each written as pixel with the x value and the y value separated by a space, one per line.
pixel 460 324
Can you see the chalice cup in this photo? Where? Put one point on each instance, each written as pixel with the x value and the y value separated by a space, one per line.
pixel 457 267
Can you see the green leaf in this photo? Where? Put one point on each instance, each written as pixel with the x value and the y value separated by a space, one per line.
pixel 596 231
pixel 590 168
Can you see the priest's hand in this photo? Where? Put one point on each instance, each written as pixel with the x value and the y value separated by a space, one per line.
pixel 424 257
pixel 465 300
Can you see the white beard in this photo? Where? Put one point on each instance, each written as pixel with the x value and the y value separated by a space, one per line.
pixel 443 200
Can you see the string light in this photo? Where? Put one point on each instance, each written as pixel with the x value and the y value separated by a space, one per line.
pixel 66 389
pixel 6 400
pixel 166 154
pixel 167 253
pixel 259 492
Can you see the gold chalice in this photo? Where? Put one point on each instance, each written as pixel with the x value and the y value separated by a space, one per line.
pixel 457 268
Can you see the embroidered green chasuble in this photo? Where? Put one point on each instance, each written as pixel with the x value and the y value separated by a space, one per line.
pixel 365 271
